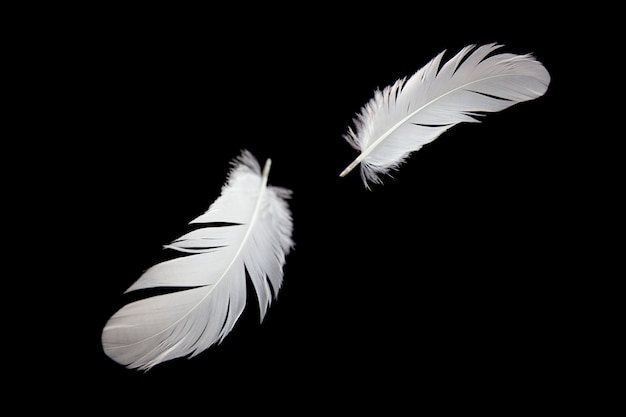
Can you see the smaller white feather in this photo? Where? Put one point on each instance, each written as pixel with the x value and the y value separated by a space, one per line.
pixel 256 239
pixel 411 113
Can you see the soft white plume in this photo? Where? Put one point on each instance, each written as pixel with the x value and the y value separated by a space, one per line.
pixel 248 228
pixel 411 113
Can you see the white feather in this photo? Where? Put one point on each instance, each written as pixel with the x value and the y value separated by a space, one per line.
pixel 411 113
pixel 254 235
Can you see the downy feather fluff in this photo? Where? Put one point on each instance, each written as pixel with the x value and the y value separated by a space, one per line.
pixel 411 113
pixel 248 228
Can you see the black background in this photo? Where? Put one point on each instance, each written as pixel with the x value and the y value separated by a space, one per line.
pixel 451 283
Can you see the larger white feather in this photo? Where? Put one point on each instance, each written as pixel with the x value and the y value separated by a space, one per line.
pixel 248 228
pixel 409 114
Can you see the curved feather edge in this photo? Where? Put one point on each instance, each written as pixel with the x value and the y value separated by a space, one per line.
pixel 411 113
pixel 255 237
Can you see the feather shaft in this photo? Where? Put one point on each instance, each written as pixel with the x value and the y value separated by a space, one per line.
pixel 393 128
